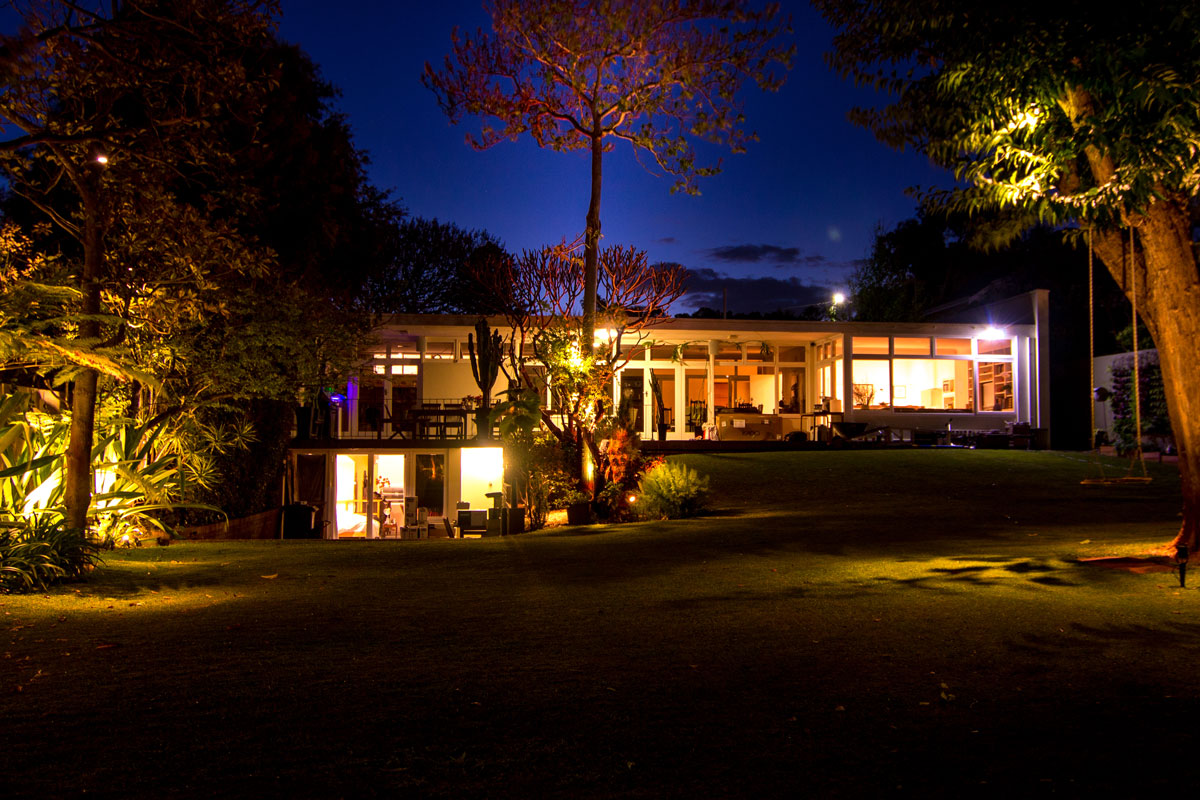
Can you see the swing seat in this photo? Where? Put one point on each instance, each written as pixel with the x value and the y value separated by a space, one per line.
pixel 1128 479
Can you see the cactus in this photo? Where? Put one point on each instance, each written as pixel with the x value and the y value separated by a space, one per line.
pixel 485 366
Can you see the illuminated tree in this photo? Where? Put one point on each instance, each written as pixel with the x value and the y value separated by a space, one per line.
pixel 1051 112
pixel 581 74
pixel 540 291
pixel 108 113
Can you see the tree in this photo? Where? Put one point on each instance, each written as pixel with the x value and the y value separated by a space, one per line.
pixel 1057 113
pixel 579 74
pixel 107 112
pixel 425 268
pixel 540 290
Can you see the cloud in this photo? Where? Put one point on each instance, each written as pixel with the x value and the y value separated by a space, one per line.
pixel 712 289
pixel 755 253
pixel 665 240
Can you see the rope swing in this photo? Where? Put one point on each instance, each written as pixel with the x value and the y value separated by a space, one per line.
pixel 1137 457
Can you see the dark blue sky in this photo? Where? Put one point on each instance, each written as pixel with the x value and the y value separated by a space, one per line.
pixel 793 213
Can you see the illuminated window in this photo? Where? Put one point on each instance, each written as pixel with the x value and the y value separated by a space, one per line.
pixel 995 386
pixel 438 351
pixel 872 384
pixel 911 346
pixel 998 347
pixel 953 347
pixel 870 345
pixel 793 354
pixel 932 384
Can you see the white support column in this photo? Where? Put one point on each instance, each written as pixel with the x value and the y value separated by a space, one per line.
pixel 369 491
pixel 680 401
pixel 710 382
pixel 386 422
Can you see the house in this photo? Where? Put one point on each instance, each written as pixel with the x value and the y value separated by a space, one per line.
pixel 402 435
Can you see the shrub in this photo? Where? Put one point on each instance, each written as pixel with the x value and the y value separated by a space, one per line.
pixel 1152 397
pixel 672 490
pixel 42 553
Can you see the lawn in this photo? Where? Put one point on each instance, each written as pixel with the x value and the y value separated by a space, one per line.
pixel 842 624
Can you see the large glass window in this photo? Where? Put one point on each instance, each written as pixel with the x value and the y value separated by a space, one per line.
pixel 696 394
pixel 872 384
pixel 662 388
pixel 792 399
pixel 995 386
pixel 925 383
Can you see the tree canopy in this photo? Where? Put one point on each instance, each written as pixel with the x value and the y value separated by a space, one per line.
pixel 1064 113
pixel 579 75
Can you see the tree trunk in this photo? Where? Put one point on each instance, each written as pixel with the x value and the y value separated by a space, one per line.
pixel 1168 300
pixel 591 246
pixel 78 463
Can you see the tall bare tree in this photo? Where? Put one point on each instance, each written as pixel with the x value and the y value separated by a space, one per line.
pixel 583 74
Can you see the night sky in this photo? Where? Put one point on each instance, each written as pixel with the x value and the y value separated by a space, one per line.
pixel 780 227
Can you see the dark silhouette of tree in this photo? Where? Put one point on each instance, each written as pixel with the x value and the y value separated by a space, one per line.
pixel 427 269
pixel 580 75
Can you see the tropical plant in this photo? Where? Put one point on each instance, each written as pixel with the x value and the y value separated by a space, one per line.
pixel 671 490
pixel 43 552
pixel 137 477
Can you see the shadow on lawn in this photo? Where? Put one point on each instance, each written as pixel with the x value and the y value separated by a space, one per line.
pixel 1081 640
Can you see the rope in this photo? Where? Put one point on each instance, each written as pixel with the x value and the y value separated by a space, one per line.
pixel 1092 344
pixel 1137 383
pixel 1137 414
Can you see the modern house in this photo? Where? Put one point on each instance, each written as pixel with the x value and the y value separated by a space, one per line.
pixel 402 436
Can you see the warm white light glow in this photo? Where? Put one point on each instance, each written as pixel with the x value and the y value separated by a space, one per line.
pixel 992 333
pixel 605 335
pixel 1028 118
pixel 482 472
pixel 101 159
pixel 838 298
pixel 632 499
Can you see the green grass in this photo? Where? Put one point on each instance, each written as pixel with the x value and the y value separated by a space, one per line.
pixel 842 624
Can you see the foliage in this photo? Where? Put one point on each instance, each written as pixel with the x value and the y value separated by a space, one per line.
pixel 43 553
pixel 670 490
pixel 426 267
pixel 1152 401
pixel 138 475
pixel 540 291
pixel 1023 102
pixel 541 468
pixel 1064 114
pixel 577 75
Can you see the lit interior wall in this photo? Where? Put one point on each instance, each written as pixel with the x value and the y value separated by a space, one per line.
pixel 447 380
pixel 349 509
pixel 482 471
pixel 762 392
pixel 871 382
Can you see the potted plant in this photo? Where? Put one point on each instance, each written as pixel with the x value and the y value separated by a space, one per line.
pixel 579 508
